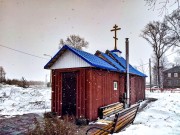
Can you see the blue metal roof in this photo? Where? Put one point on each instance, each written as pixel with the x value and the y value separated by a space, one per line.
pixel 113 62
pixel 122 61
pixel 116 51
pixel 89 58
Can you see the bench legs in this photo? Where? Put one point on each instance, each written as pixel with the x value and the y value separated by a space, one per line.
pixel 97 128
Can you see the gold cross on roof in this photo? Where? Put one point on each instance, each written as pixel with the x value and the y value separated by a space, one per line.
pixel 115 37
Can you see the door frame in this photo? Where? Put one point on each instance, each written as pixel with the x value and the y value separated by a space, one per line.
pixel 77 86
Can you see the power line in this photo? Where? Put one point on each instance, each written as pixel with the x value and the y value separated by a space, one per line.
pixel 23 52
pixel 165 56
pixel 142 65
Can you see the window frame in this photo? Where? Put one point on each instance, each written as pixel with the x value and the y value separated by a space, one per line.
pixel 175 74
pixel 169 75
pixel 115 85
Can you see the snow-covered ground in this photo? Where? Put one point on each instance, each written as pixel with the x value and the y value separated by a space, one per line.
pixel 17 101
pixel 161 117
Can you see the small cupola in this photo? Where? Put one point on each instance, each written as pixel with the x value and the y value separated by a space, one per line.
pixel 117 52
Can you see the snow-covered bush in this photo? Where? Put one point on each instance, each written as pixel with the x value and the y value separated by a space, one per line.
pixel 17 101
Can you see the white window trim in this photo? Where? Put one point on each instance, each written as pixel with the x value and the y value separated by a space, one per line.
pixel 169 75
pixel 115 85
pixel 175 74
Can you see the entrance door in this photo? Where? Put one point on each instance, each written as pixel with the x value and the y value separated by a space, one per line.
pixel 69 93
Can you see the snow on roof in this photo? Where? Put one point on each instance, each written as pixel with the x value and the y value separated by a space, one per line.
pixel 113 63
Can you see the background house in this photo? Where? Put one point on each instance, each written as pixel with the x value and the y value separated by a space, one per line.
pixel 172 77
pixel 83 82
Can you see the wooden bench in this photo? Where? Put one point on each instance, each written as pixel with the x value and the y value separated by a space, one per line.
pixel 109 110
pixel 121 120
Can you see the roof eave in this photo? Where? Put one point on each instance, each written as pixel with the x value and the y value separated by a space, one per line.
pixel 55 57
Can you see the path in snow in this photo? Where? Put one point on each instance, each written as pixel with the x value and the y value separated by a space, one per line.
pixel 161 117
pixel 18 125
pixel 19 107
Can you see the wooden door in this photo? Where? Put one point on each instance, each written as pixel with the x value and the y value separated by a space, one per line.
pixel 69 86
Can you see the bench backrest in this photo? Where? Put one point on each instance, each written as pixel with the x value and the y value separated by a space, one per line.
pixel 121 120
pixel 108 110
pixel 126 117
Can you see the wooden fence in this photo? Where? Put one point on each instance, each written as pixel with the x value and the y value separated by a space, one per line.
pixel 172 90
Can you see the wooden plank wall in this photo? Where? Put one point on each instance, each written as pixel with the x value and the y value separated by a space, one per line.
pixel 137 89
pixel 133 89
pixel 53 92
pixel 56 92
pixel 100 90
pixel 122 87
pixel 95 89
pixel 81 95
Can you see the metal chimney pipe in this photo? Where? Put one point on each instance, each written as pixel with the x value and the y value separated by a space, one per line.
pixel 127 74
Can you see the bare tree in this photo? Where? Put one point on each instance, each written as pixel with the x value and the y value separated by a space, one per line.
pixel 158 35
pixel 173 22
pixel 141 67
pixel 2 74
pixel 74 41
pixel 164 64
pixel 177 58
pixel 164 5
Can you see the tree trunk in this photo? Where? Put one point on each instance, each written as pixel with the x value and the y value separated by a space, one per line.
pixel 158 71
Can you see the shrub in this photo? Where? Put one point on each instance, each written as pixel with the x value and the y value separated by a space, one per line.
pixel 23 83
pixel 56 126
pixel 48 84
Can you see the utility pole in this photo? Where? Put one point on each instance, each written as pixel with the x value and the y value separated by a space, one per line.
pixel 50 70
pixel 150 85
pixel 46 79
pixel 127 75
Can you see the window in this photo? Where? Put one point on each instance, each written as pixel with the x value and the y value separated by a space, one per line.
pixel 175 74
pixel 169 74
pixel 115 85
pixel 169 83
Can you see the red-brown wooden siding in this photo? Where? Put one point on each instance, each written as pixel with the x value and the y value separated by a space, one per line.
pixel 101 90
pixel 122 87
pixel 133 90
pixel 95 89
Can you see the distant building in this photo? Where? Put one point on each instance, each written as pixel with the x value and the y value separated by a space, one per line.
pixel 172 77
pixel 2 74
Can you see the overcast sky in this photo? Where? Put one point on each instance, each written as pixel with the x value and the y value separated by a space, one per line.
pixel 36 26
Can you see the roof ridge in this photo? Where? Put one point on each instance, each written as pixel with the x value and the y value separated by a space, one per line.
pixel 98 53
pixel 131 68
pixel 110 60
pixel 171 68
pixel 109 54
